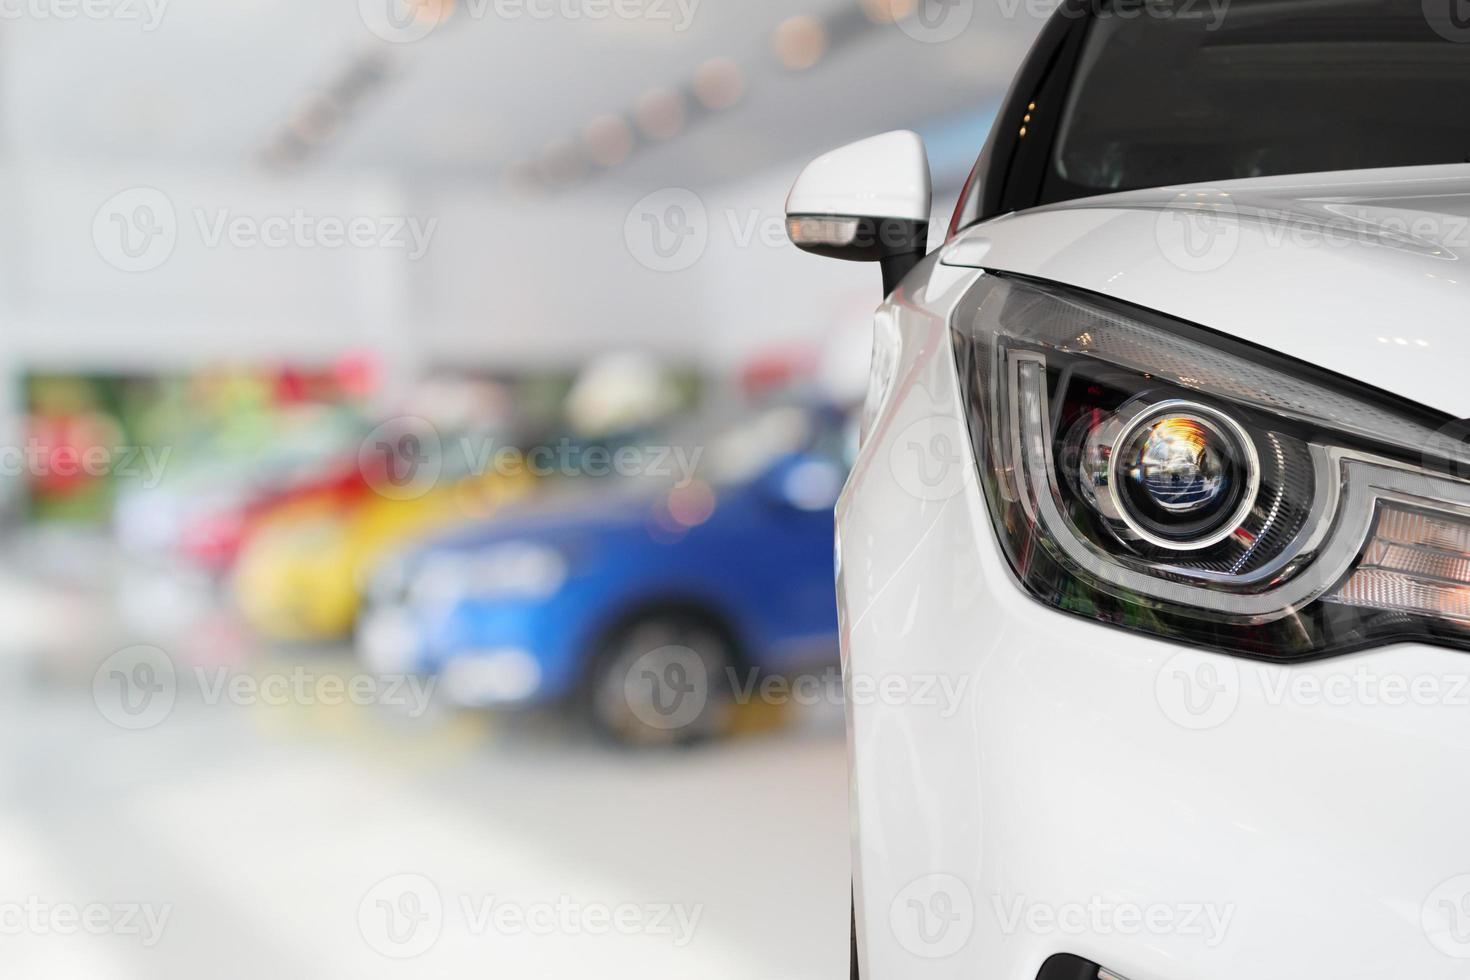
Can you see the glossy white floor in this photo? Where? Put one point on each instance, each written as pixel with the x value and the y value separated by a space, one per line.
pixel 298 839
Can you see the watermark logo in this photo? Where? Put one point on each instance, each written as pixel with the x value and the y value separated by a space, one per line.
pixel 1210 12
pixel 1450 19
pixel 1363 687
pixel 43 460
pixel 301 686
pixel 404 915
pixel 1198 231
pixel 933 916
pixel 401 916
pixel 1450 442
pixel 937 21
pixel 147 13
pixel 1201 231
pixel 36 916
pixel 1445 917
pixel 943 693
pixel 668 230
pixel 136 230
pixel 404 21
pixel 302 230
pixel 1198 691
pixel 668 688
pixel 135 688
pixel 1097 916
pixel 928 458
pixel 402 458
pixel 568 916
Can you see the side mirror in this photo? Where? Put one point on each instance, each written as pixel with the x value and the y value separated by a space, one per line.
pixel 868 201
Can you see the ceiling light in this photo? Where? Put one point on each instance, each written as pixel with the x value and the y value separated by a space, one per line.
pixel 719 83
pixel 608 139
pixel 659 113
pixel 800 42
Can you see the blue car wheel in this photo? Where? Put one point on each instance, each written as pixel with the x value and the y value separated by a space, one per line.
pixel 662 679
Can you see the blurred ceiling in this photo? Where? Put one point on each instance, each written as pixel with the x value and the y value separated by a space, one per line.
pixel 494 89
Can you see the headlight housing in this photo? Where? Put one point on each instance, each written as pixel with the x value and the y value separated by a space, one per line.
pixel 1151 474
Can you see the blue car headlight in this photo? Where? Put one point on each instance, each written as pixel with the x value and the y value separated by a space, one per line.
pixel 514 570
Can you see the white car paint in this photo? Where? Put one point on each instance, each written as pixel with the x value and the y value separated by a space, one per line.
pixel 883 176
pixel 1097 788
pixel 1313 266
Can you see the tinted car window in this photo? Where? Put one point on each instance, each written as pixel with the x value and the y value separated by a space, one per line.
pixel 1263 88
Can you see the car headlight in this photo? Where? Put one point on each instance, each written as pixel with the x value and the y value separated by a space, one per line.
pixel 514 570
pixel 1155 475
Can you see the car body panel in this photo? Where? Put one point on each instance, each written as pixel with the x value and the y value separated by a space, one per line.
pixel 299 575
pixel 762 570
pixel 1238 256
pixel 1081 767
pixel 753 552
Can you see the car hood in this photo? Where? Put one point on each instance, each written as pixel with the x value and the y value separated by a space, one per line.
pixel 1366 273
pixel 555 522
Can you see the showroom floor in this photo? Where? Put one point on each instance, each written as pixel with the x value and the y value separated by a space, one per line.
pixel 272 840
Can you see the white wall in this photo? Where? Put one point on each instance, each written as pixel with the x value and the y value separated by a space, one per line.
pixel 502 282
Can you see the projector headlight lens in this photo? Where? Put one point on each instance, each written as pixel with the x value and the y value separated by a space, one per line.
pixel 1148 473
pixel 1185 476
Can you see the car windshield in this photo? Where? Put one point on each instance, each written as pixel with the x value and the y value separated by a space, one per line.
pixel 1248 89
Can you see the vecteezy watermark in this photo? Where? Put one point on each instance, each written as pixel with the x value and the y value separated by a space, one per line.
pixel 302 686
pixel 406 21
pixel 41 460
pixel 933 917
pixel 1364 686
pixel 1450 19
pixel 929 459
pixel 401 916
pixel 669 688
pixel 1445 917
pixel 404 915
pixel 405 457
pixel 670 230
pixel 136 688
pixel 945 693
pixel 1198 690
pixel 1096 916
pixel 937 21
pixel 148 14
pixel 1211 12
pixel 137 230
pixel 1450 443
pixel 1201 230
pixel 35 916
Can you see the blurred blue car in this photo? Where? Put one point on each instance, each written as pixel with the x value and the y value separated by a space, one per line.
pixel 641 603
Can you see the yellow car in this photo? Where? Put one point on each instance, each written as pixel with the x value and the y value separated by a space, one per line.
pixel 300 576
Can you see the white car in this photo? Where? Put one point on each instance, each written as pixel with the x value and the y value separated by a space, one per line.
pixel 1154 566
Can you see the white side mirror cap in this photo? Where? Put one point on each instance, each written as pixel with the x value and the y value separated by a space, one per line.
pixel 885 176
pixel 868 201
